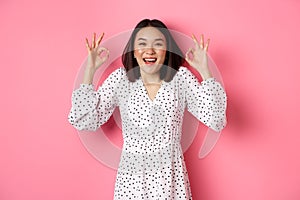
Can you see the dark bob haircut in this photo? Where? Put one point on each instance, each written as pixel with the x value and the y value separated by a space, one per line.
pixel 173 60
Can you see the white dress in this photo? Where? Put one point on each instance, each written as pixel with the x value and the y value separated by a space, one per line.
pixel 152 165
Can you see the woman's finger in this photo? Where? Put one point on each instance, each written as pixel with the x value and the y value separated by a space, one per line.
pixel 187 58
pixel 206 45
pixel 87 44
pixel 100 39
pixel 202 41
pixel 94 40
pixel 101 50
pixel 187 54
pixel 103 54
pixel 195 40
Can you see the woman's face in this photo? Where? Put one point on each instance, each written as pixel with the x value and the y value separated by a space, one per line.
pixel 150 50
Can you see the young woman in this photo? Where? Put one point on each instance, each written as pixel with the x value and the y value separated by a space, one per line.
pixel 152 91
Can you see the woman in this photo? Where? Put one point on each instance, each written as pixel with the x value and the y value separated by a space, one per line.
pixel 152 91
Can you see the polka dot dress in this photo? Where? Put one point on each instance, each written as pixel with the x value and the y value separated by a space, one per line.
pixel 152 165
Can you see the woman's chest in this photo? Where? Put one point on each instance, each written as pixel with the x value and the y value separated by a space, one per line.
pixel 137 107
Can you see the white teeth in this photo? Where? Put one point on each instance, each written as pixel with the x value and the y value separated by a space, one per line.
pixel 150 59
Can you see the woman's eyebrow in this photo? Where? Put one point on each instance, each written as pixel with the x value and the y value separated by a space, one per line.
pixel 158 39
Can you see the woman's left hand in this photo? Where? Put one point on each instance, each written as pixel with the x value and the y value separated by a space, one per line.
pixel 197 57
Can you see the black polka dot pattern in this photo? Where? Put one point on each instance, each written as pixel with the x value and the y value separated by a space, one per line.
pixel 206 101
pixel 152 164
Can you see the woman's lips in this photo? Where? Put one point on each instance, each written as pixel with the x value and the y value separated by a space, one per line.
pixel 149 61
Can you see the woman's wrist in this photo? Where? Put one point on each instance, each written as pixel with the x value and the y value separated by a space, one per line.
pixel 205 73
pixel 88 76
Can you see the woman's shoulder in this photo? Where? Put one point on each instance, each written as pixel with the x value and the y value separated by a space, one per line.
pixel 183 72
pixel 118 73
pixel 117 76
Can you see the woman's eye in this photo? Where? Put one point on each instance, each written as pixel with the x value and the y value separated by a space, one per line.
pixel 159 44
pixel 142 44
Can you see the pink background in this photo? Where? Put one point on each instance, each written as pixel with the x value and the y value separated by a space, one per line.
pixel 254 43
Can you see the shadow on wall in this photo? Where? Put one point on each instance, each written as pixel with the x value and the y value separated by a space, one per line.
pixel 243 113
pixel 243 117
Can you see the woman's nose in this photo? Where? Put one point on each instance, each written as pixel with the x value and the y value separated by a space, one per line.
pixel 150 50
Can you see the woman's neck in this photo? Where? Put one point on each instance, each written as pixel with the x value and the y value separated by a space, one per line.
pixel 151 78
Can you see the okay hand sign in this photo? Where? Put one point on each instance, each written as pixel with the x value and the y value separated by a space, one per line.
pixel 197 56
pixel 96 55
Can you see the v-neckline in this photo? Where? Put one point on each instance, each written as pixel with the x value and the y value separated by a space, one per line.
pixel 146 91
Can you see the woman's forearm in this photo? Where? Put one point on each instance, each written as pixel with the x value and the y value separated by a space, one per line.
pixel 204 72
pixel 88 76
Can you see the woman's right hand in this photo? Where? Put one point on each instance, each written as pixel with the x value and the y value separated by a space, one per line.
pixel 96 55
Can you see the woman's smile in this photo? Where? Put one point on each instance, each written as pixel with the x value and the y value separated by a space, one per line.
pixel 150 60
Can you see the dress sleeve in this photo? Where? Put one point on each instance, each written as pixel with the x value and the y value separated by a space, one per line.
pixel 90 108
pixel 207 100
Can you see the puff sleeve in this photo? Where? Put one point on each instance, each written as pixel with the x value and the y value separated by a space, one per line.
pixel 207 101
pixel 90 108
